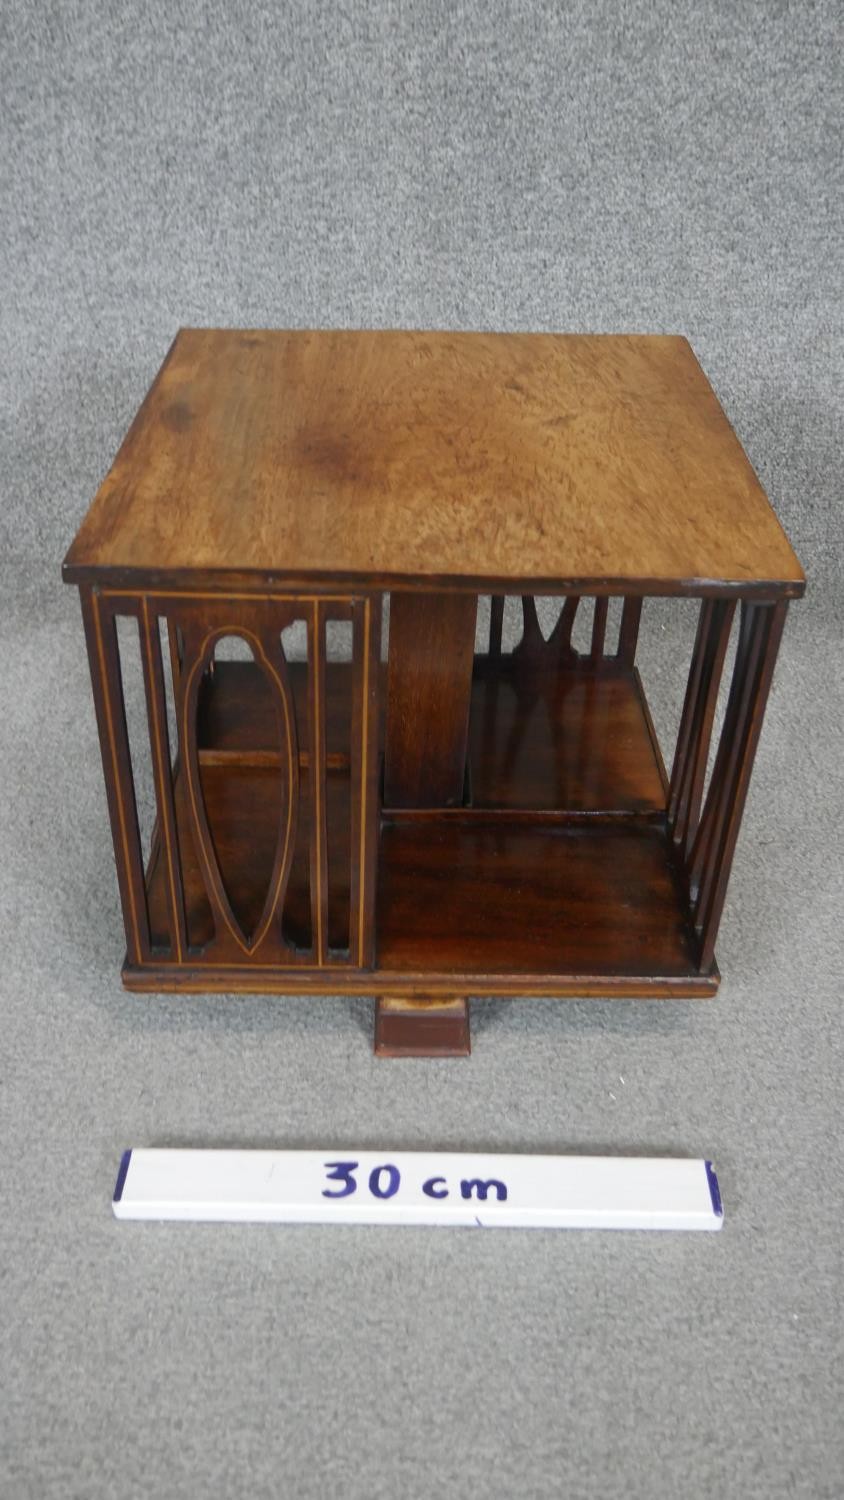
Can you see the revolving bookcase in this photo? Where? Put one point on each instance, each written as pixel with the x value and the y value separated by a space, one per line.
pixel 373 794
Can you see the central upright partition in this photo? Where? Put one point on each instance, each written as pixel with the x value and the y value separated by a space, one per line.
pixel 429 690
pixel 456 811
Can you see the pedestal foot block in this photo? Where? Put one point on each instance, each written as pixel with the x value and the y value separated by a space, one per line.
pixel 421 1028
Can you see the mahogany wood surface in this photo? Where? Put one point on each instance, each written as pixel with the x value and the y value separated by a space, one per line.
pixel 237 722
pixel 436 867
pixel 432 648
pixel 566 899
pixel 571 867
pixel 574 741
pixel 540 461
pixel 104 662
pixel 240 803
pixel 191 978
pixel 408 1026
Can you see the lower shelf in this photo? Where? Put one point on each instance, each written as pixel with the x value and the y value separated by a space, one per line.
pixel 558 880
pixel 596 899
pixel 468 907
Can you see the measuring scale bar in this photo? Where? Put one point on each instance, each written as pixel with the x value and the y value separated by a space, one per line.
pixel 419 1187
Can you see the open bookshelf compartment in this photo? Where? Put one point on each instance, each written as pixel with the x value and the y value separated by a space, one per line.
pixel 558 875
pixel 588 905
pixel 573 740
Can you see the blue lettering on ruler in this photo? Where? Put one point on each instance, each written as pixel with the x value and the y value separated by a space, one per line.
pixel 385 1181
pixel 431 1189
pixel 393 1181
pixel 477 1187
pixel 340 1171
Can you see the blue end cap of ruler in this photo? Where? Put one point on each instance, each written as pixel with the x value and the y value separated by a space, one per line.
pixel 717 1205
pixel 121 1175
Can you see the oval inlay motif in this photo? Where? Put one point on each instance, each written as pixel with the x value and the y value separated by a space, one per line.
pixel 244 814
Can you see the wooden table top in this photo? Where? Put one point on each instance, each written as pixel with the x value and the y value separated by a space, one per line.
pixel 539 462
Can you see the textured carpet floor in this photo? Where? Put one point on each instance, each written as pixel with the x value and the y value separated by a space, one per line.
pixel 624 166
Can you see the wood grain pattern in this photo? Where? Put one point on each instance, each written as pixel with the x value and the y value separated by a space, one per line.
pixel 539 462
pixel 561 900
pixel 237 798
pixel 432 642
pixel 574 740
pixel 198 979
pixel 235 721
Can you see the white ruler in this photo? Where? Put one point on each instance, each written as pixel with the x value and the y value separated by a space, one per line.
pixel 344 1186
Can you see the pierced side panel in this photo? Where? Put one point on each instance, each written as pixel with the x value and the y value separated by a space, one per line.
pixel 106 681
pixel 692 751
pixel 265 772
pixel 365 779
pixel 334 669
pixel 162 760
pixel 317 778
pixel 705 840
pixel 578 634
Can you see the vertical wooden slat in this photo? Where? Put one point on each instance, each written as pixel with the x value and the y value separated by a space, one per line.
pixel 496 625
pixel 197 634
pixel 106 681
pixel 599 629
pixel 704 843
pixel 532 639
pixel 316 774
pixel 175 646
pixel 160 748
pixel 533 649
pixel 365 766
pixel 559 641
pixel 628 634
pixel 689 731
pixel 760 634
pixel 693 739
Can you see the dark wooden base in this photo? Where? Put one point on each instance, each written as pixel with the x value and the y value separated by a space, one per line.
pixel 198 978
pixel 411 1027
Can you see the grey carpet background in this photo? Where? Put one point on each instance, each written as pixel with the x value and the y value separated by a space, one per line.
pixel 629 166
